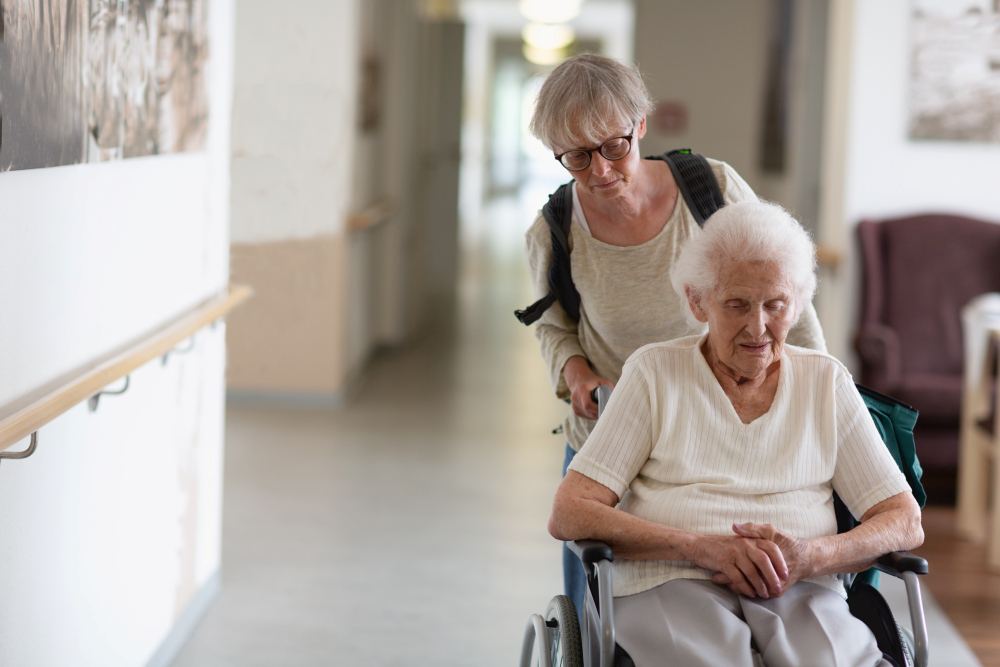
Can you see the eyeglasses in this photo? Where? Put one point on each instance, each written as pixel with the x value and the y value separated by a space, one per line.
pixel 578 159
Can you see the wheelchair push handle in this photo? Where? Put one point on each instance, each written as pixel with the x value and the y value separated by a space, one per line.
pixel 601 395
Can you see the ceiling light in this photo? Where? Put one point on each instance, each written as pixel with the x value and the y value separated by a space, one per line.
pixel 544 36
pixel 543 56
pixel 550 11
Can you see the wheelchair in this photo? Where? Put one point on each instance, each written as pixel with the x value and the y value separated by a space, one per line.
pixel 560 639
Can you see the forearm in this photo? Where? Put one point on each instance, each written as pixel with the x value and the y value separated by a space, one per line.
pixel 558 345
pixel 896 528
pixel 576 370
pixel 581 517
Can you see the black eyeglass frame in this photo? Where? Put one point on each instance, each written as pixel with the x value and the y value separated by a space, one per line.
pixel 590 152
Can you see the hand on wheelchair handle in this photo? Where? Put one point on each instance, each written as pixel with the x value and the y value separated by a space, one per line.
pixel 584 397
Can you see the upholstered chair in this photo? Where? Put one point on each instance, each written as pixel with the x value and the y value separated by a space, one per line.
pixel 919 272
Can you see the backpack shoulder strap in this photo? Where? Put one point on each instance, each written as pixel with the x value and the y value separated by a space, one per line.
pixel 696 181
pixel 558 214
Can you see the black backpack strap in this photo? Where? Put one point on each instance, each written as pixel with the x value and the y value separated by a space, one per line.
pixel 696 181
pixel 558 214
pixel 698 186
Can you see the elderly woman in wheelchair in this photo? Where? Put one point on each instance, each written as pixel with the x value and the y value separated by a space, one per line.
pixel 711 474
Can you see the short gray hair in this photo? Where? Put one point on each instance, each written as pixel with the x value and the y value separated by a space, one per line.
pixel 749 231
pixel 585 99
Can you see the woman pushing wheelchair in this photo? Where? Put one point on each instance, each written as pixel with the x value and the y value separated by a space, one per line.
pixel 628 221
pixel 711 473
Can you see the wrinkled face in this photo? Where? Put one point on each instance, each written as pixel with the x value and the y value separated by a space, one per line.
pixel 606 178
pixel 748 316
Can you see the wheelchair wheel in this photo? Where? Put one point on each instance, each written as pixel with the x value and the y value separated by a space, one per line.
pixel 906 639
pixel 564 629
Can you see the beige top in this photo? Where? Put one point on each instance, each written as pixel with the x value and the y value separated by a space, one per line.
pixel 672 447
pixel 626 300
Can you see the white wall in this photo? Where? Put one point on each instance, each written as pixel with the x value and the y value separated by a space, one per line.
pixel 873 170
pixel 294 119
pixel 111 528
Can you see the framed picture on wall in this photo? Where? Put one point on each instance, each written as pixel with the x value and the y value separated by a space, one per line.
pixel 101 80
pixel 955 70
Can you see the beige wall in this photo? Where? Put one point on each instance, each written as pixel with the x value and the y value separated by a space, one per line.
pixel 712 57
pixel 327 295
pixel 709 55
pixel 289 338
pixel 293 147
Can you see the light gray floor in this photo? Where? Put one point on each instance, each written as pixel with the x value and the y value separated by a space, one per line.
pixel 408 528
pixel 945 645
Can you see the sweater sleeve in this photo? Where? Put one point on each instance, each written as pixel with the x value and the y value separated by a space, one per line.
pixel 622 441
pixel 865 473
pixel 734 188
pixel 556 331
pixel 807 332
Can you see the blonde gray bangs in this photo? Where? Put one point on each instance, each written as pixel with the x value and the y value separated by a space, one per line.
pixel 586 100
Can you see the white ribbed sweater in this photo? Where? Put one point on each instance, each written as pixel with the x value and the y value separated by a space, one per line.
pixel 625 296
pixel 671 445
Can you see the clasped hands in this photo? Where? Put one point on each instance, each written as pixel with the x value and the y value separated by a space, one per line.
pixel 758 561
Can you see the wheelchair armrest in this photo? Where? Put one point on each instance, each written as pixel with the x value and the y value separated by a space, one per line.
pixel 895 563
pixel 591 551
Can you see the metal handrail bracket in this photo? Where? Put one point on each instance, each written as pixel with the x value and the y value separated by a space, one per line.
pixel 25 453
pixel 95 399
pixel 181 350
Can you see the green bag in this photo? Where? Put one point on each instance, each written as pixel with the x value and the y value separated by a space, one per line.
pixel 895 421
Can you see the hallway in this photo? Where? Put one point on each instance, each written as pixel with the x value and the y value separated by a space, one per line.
pixel 408 527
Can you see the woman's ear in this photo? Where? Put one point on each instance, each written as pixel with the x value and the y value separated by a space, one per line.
pixel 694 302
pixel 640 131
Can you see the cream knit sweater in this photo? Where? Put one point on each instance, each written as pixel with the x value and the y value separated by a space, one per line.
pixel 671 445
pixel 626 297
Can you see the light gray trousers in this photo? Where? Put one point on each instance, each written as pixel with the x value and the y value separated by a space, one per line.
pixel 688 622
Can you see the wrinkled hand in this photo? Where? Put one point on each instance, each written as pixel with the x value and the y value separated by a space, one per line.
pixel 794 553
pixel 750 566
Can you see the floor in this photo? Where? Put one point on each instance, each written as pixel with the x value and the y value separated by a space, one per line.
pixel 408 528
pixel 962 585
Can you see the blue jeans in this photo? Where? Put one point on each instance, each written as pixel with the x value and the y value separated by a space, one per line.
pixel 574 578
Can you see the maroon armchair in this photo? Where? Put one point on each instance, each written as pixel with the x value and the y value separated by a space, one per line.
pixel 918 274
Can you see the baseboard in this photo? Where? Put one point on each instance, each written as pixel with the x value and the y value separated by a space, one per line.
pixel 186 623
pixel 257 399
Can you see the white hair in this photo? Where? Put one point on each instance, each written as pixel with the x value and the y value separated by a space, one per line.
pixel 586 99
pixel 750 231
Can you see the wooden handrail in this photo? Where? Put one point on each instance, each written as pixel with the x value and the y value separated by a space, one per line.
pixel 371 216
pixel 828 257
pixel 26 421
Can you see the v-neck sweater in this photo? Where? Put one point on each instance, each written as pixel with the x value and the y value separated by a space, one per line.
pixel 626 300
pixel 672 447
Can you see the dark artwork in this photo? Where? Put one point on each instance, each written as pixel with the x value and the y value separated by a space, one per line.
pixel 41 88
pixel 94 80
pixel 774 138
